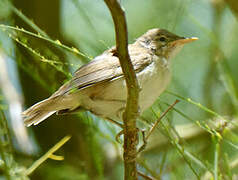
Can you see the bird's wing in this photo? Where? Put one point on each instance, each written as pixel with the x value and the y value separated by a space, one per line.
pixel 104 68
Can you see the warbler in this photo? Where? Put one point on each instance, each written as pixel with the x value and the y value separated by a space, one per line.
pixel 100 87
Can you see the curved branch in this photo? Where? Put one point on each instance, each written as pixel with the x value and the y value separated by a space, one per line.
pixel 131 111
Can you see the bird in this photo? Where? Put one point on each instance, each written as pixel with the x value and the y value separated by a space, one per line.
pixel 100 88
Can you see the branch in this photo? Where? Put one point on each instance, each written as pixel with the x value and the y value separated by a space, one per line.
pixel 145 138
pixel 131 111
pixel 158 120
pixel 145 176
pixel 7 160
pixel 48 155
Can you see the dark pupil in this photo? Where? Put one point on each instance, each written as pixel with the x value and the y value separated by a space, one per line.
pixel 162 39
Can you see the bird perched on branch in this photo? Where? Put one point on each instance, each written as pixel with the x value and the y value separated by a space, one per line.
pixel 100 87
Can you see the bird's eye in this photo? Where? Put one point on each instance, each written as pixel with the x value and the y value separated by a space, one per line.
pixel 162 39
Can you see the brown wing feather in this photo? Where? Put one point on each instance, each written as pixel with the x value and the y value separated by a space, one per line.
pixel 104 68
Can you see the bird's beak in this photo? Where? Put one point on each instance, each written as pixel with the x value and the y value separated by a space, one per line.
pixel 183 41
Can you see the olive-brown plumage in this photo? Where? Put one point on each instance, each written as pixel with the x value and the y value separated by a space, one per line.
pixel 100 87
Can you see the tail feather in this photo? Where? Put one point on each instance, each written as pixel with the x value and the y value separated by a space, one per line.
pixel 38 112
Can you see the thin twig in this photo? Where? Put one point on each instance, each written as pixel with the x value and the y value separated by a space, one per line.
pixel 5 147
pixel 216 158
pixel 47 155
pixel 199 105
pixel 115 122
pixel 157 122
pixel 57 43
pixel 27 20
pixel 131 111
pixel 185 154
pixel 145 138
pixel 144 176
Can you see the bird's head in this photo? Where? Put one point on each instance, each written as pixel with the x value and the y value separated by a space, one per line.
pixel 163 42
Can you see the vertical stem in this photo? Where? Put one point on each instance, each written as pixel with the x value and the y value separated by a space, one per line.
pixel 5 149
pixel 131 112
pixel 216 159
pixel 11 169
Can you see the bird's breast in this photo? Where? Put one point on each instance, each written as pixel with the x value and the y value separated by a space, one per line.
pixel 109 98
pixel 153 81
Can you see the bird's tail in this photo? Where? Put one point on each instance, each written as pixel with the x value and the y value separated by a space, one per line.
pixel 39 112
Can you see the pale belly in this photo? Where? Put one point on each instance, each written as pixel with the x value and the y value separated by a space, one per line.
pixel 152 84
pixel 109 100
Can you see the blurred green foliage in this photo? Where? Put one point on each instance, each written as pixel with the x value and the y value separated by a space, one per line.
pixel 197 140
